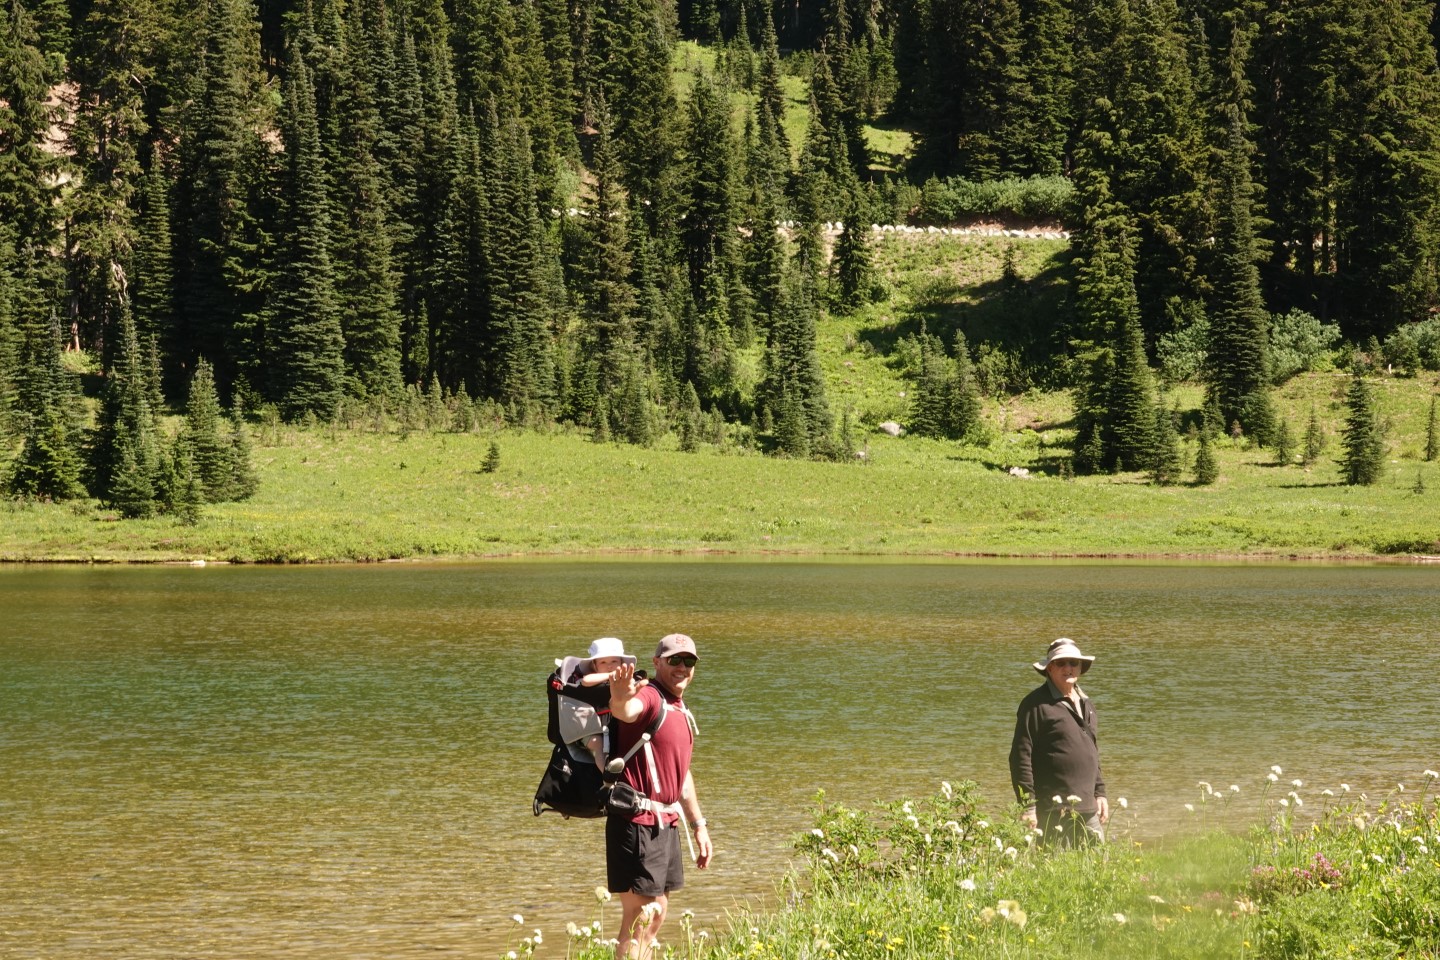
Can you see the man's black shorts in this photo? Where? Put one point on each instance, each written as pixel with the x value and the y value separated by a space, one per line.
pixel 642 859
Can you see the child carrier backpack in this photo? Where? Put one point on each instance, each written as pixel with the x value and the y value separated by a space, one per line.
pixel 572 785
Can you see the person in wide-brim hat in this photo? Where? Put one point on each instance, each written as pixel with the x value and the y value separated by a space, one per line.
pixel 1055 754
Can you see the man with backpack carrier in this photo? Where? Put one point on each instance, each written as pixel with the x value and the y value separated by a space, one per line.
pixel 642 844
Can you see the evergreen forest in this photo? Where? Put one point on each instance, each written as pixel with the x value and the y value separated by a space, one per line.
pixel 218 213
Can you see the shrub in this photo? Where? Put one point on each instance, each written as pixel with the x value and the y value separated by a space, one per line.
pixel 1300 343
pixel 1035 198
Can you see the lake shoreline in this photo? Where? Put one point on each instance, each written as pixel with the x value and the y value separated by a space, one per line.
pixel 656 553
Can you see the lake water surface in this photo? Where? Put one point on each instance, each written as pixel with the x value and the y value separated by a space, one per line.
pixel 338 762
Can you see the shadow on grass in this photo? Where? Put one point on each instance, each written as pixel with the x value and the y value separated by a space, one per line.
pixel 1028 318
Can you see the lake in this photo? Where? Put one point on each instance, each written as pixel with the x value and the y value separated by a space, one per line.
pixel 339 761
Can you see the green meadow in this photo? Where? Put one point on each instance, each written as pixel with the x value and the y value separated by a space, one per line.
pixel 938 877
pixel 336 494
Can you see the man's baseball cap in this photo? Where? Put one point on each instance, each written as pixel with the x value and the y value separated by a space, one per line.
pixel 675 643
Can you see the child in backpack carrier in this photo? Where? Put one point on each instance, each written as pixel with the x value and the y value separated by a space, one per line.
pixel 585 681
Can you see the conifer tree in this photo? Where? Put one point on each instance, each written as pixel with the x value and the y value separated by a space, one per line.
pixel 1207 468
pixel 185 496
pixel 112 62
pixel 764 252
pixel 604 284
pixel 524 361
pixel 152 288
pixel 1314 440
pixel 710 219
pixel 1284 443
pixel 930 394
pixel 1143 125
pixel 1388 186
pixel 793 384
pixel 1363 462
pixel 1237 367
pixel 48 466
pixel 224 164
pixel 309 372
pixel 367 278
pixel 124 456
pixel 1432 434
pixel 1114 408
pixel 1165 465
pixel 771 95
pixel 630 49
pixel 491 462
pixel 690 419
pixel 853 267
pixel 202 435
pixel 244 481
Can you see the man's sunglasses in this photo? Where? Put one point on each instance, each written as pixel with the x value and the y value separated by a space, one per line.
pixel 682 661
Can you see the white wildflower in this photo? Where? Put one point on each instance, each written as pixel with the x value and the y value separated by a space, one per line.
pixel 831 854
pixel 1072 799
pixel 1432 775
pixel 1272 778
pixel 1284 802
pixel 817 832
pixel 511 955
pixel 953 827
pixel 946 790
pixel 1155 899
pixel 907 807
pixel 573 930
pixel 1297 784
pixel 1056 800
pixel 987 915
pixel 1124 804
pixel 687 915
pixel 650 911
pixel 983 825
pixel 914 821
pixel 854 850
pixel 1276 770
pixel 1190 807
pixel 602 894
pixel 1205 784
pixel 1011 852
pixel 1234 788
pixel 539 937
pixel 1119 917
pixel 1377 858
pixel 1359 824
pixel 1344 788
pixel 517 918
pixel 967 884
pixel 1327 792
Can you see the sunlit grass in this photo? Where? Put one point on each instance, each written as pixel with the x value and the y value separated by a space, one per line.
pixel 945 876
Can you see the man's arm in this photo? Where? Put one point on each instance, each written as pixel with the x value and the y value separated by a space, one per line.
pixel 625 706
pixel 690 805
pixel 1022 773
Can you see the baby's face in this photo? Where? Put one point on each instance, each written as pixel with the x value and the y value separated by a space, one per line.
pixel 605 664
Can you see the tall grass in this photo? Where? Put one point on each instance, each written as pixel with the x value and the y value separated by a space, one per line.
pixel 939 877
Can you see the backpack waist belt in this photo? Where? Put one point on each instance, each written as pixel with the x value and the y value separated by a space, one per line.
pixel 660 809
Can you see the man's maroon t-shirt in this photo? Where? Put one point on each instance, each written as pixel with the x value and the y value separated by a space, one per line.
pixel 670 747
